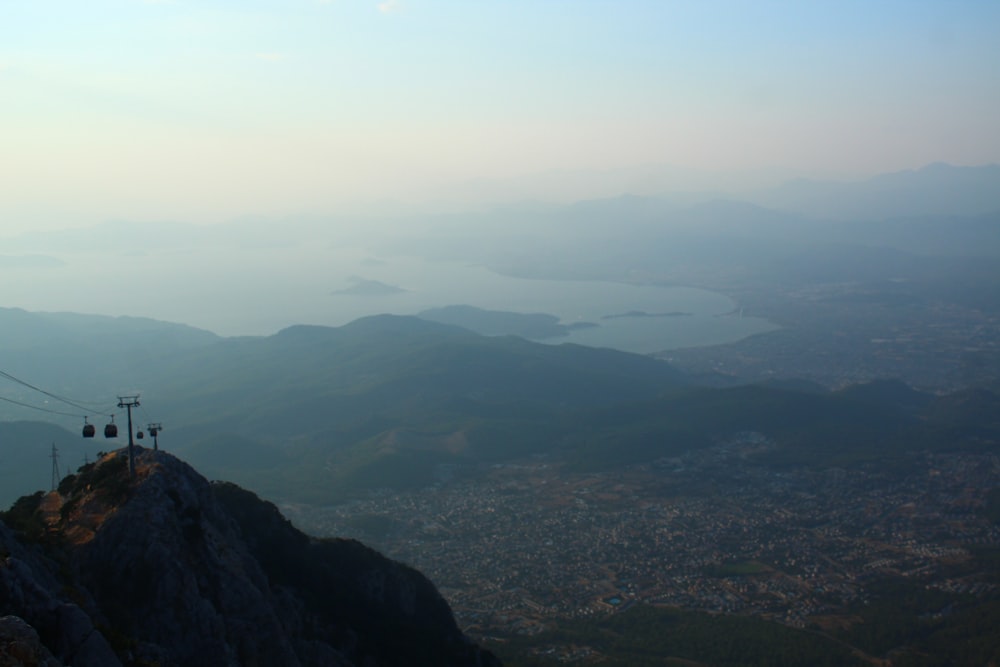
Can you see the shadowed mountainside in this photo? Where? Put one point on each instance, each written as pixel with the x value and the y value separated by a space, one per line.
pixel 383 401
pixel 319 414
pixel 171 570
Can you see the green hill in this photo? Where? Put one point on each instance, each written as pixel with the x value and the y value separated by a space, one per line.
pixel 319 414
pixel 316 414
pixel 383 400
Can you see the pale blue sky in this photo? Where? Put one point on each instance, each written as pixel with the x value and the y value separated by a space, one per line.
pixel 204 110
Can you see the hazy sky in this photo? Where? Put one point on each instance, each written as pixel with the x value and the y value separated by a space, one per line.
pixel 204 110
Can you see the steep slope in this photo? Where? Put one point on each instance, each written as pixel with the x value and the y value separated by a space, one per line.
pixel 387 357
pixel 380 401
pixel 176 571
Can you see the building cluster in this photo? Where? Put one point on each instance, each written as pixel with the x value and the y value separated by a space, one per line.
pixel 522 544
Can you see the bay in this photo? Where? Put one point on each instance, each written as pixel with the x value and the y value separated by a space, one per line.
pixel 258 291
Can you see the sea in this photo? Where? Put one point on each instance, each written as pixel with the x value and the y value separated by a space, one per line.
pixel 259 291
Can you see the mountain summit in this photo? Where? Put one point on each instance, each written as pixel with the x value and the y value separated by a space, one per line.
pixel 170 569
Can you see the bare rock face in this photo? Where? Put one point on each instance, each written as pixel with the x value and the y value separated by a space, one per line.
pixel 169 564
pixel 20 646
pixel 30 591
pixel 174 570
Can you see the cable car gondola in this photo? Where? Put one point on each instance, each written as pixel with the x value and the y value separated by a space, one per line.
pixel 88 429
pixel 111 430
pixel 138 435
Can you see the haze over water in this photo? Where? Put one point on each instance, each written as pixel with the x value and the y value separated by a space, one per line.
pixel 260 291
pixel 160 113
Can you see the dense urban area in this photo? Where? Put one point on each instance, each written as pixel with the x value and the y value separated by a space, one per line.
pixel 522 544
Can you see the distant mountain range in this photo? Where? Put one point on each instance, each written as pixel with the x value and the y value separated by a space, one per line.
pixel 935 190
pixel 936 212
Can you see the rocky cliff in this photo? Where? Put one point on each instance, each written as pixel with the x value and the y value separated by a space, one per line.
pixel 169 569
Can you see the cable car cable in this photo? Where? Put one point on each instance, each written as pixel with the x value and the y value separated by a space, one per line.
pixel 35 407
pixel 146 416
pixel 110 430
pixel 47 393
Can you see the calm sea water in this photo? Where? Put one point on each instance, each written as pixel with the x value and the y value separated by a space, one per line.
pixel 260 291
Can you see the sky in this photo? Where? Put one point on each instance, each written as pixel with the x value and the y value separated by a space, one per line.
pixel 208 110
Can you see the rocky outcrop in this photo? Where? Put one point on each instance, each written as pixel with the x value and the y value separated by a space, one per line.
pixel 20 645
pixel 172 570
pixel 32 594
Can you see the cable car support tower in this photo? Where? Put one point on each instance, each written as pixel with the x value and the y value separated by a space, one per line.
pixel 130 402
pixel 154 430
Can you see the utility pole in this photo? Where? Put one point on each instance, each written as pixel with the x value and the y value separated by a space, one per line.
pixel 130 402
pixel 154 430
pixel 55 467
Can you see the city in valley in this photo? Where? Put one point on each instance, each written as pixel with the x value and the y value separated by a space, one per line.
pixel 517 545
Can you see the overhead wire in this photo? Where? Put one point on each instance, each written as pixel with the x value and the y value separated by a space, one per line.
pixel 76 404
pixel 146 416
pixel 35 407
